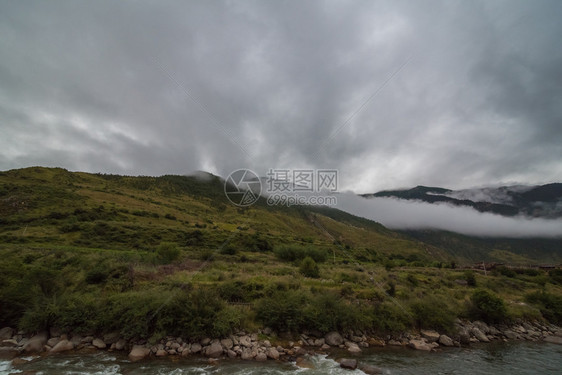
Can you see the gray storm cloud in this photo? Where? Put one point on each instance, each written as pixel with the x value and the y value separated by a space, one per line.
pixel 462 93
pixel 400 214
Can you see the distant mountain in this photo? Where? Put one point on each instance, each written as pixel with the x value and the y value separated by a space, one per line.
pixel 532 201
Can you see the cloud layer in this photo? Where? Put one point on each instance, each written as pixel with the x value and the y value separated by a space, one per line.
pixel 461 93
pixel 401 214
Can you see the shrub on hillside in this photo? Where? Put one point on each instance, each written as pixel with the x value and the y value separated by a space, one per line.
pixel 470 278
pixel 549 304
pixel 291 253
pixel 487 307
pixel 433 313
pixel 388 317
pixel 167 252
pixel 282 311
pixel 309 268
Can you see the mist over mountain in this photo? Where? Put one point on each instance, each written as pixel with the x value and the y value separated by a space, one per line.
pixel 540 201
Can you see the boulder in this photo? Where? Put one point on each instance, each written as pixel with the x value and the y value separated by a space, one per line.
pixel 99 344
pixel 196 348
pixel 479 335
pixel 120 344
pixel 482 326
pixel 348 363
pixel 111 338
pixel 36 343
pixel 53 341
pixel 553 339
pixel 6 333
pixel 62 346
pixel 231 353
pixel 8 353
pixel 333 339
pixel 464 336
pixel 261 357
pixel 376 342
pixel 369 369
pixel 445 340
pixel 273 353
pixel 352 347
pixel 161 353
pixel 214 350
pixel 245 341
pixel 227 343
pixel 430 335
pixel 205 341
pixel 303 362
pixel 247 354
pixel 10 342
pixel 138 352
pixel 55 332
pixel 420 345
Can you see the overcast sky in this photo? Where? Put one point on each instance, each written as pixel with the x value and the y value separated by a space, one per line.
pixel 390 93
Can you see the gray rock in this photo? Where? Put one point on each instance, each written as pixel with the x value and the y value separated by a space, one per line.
pixel 510 334
pixel 245 341
pixel 120 344
pixel 353 347
pixel 482 326
pixel 227 343
pixel 111 338
pixel 478 334
pixel 62 346
pixel 464 336
pixel 36 343
pixel 420 345
pixel 138 352
pixel 247 354
pixel 261 357
pixel 445 340
pixel 553 339
pixel 99 344
pixel 303 362
pixel 161 353
pixel 333 339
pixel 205 341
pixel 53 341
pixel 231 353
pixel 430 335
pixel 273 353
pixel 8 353
pixel 214 350
pixel 6 333
pixel 348 363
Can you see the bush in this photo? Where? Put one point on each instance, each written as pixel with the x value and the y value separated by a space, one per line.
pixel 329 312
pixel 309 268
pixel 283 311
pixel 555 276
pixel 167 252
pixel 433 313
pixel 549 304
pixel 487 307
pixel 297 253
pixel 470 278
pixel 389 318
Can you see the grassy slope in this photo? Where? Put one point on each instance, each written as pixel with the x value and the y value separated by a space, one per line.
pixel 82 251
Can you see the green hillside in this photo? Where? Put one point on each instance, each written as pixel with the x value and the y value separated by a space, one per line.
pixel 149 256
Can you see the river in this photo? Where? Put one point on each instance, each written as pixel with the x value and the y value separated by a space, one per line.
pixel 496 358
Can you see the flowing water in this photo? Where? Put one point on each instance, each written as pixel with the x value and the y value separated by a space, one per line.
pixel 500 358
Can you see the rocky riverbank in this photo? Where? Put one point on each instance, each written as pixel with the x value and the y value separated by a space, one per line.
pixel 267 345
